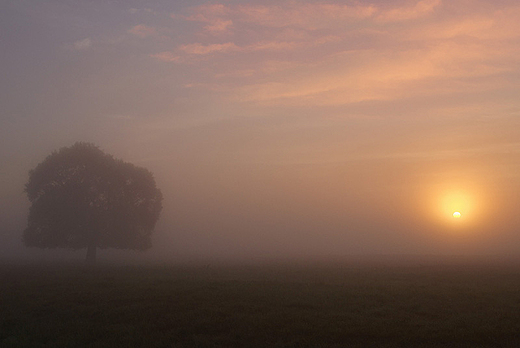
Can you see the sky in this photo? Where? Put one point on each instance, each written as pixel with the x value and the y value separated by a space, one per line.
pixel 278 129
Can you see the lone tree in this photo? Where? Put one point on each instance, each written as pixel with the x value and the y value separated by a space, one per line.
pixel 84 198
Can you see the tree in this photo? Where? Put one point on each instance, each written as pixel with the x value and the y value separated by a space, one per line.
pixel 84 198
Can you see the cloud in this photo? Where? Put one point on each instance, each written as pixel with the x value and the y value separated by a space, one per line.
pixel 307 15
pixel 138 10
pixel 497 25
pixel 166 57
pixel 272 46
pixel 208 11
pixel 212 15
pixel 200 49
pixel 142 31
pixel 356 76
pixel 277 45
pixel 288 24
pixel 420 9
pixel 218 25
pixel 310 16
pixel 82 45
pixel 297 53
pixel 220 18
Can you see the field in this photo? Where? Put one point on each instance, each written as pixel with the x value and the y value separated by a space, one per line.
pixel 347 305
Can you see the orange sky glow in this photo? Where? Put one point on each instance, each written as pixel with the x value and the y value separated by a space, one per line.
pixel 293 129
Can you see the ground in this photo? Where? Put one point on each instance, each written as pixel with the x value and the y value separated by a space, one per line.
pixel 278 305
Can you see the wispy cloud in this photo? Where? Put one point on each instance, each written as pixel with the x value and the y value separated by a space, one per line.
pixel 496 25
pixel 288 25
pixel 166 57
pixel 141 10
pixel 214 16
pixel 366 51
pixel 302 15
pixel 200 49
pixel 355 76
pixel 218 26
pixel 142 31
pixel 305 15
pixel 420 9
pixel 83 44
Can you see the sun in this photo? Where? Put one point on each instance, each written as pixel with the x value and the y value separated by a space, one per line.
pixel 456 205
pixel 459 206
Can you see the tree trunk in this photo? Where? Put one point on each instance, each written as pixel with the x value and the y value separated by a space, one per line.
pixel 91 254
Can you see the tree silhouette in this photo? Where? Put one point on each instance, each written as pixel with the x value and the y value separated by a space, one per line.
pixel 84 198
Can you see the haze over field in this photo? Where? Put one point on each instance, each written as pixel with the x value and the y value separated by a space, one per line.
pixel 279 129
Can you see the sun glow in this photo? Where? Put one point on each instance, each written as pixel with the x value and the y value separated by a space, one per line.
pixel 455 204
pixel 458 207
pixel 462 208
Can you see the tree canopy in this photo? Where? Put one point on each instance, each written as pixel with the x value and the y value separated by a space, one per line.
pixel 84 198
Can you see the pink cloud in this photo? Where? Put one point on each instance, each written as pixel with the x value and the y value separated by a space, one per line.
pixel 212 10
pixel 218 25
pixel 166 57
pixel 199 49
pixel 498 25
pixel 142 31
pixel 420 9
pixel 82 45
pixel 359 59
pixel 277 45
pixel 343 11
pixel 308 15
pixel 220 17
pixel 355 76
pixel 212 15
pixel 272 46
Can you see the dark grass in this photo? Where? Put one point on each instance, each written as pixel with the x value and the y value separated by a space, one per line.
pixel 278 306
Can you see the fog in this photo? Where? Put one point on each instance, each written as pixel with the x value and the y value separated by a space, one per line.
pixel 347 132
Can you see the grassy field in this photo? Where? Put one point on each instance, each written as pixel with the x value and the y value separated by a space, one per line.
pixel 275 306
